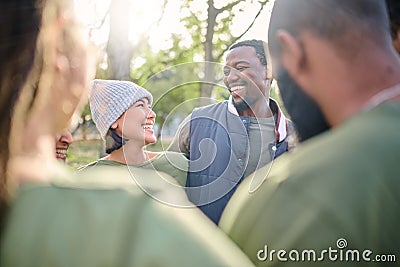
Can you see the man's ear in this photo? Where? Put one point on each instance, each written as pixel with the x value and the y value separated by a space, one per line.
pixel 268 68
pixel 291 52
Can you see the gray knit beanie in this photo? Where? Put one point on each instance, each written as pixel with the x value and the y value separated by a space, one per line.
pixel 109 99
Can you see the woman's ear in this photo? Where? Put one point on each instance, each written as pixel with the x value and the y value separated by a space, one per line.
pixel 118 125
pixel 291 52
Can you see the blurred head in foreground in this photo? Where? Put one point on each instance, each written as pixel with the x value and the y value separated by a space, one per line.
pixel 44 76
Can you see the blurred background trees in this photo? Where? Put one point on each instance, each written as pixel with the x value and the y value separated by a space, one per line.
pixel 207 29
pixel 173 48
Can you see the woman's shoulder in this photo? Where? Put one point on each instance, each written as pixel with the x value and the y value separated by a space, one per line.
pixel 173 163
pixel 100 186
pixel 176 158
pixel 99 162
pixel 170 155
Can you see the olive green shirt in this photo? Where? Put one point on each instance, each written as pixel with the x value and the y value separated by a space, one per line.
pixel 343 185
pixel 261 136
pixel 100 218
pixel 173 163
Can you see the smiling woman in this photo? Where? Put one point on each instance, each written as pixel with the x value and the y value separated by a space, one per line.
pixel 137 123
pixel 122 113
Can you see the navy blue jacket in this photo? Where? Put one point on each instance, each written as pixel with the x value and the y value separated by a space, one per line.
pixel 218 154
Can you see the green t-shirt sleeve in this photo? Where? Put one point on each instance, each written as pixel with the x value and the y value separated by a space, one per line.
pixel 184 238
pixel 335 187
pixel 174 164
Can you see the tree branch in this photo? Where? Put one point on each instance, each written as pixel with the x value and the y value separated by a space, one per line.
pixel 228 6
pixel 102 20
pixel 234 40
pixel 162 12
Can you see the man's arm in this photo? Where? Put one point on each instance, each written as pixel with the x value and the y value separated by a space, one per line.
pixel 181 141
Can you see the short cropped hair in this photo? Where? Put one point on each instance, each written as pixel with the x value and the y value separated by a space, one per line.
pixel 339 21
pixel 258 45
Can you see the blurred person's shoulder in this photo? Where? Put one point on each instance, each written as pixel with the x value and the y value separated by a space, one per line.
pixel 125 183
pixel 106 215
pixel 353 152
pixel 136 181
pixel 331 183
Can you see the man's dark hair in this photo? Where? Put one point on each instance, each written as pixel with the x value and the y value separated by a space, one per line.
pixel 345 23
pixel 258 45
pixel 394 15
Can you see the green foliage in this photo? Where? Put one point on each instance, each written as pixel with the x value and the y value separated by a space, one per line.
pixel 170 75
pixel 167 74
pixel 161 72
pixel 196 22
pixel 274 93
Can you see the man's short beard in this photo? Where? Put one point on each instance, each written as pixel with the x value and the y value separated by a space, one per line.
pixel 241 106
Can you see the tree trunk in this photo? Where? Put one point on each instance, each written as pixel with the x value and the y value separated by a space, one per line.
pixel 209 66
pixel 119 49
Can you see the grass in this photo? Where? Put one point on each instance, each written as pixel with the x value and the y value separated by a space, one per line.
pixel 84 151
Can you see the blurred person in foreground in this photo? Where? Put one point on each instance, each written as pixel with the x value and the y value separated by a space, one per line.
pixel 53 217
pixel 335 199
pixel 303 110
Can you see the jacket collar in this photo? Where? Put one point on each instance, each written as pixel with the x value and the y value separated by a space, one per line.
pixel 281 131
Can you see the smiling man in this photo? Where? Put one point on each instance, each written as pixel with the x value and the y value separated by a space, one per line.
pixel 231 139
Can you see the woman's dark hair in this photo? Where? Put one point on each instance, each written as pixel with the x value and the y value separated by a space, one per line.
pixel 394 15
pixel 21 21
pixel 113 141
